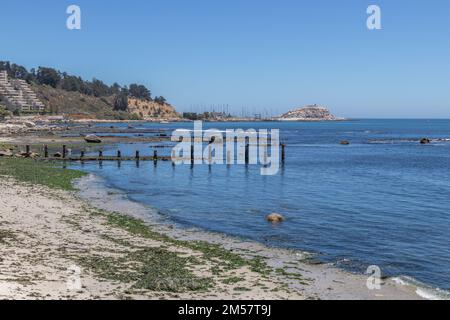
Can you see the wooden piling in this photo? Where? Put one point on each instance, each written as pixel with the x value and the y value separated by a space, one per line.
pixel 119 154
pixel 46 151
pixel 64 151
pixel 283 152
pixel 28 149
pixel 192 154
pixel 137 155
pixel 100 154
pixel 247 153
pixel 82 154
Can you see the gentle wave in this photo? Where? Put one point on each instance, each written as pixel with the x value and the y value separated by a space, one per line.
pixel 422 290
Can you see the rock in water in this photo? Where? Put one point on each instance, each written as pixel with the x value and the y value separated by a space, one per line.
pixel 425 141
pixel 92 138
pixel 309 113
pixel 275 218
pixel 344 142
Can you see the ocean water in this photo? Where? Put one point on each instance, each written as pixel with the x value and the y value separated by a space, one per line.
pixel 383 200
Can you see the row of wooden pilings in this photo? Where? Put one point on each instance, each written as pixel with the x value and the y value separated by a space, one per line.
pixel 137 156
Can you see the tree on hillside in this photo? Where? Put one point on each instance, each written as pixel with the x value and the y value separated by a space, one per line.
pixel 115 88
pixel 72 83
pixel 5 66
pixel 160 100
pixel 121 100
pixel 48 76
pixel 99 89
pixel 140 92
pixel 19 72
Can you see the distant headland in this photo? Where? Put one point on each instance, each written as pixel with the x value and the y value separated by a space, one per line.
pixel 309 113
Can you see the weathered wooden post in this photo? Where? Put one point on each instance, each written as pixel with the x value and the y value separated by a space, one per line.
pixel 137 155
pixel 100 154
pixel 119 154
pixel 27 149
pixel 247 153
pixel 173 157
pixel 192 154
pixel 64 151
pixel 46 151
pixel 283 152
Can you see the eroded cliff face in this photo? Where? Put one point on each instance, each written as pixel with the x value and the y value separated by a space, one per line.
pixel 309 113
pixel 150 109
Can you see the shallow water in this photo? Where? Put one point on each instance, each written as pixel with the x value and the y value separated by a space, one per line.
pixel 383 200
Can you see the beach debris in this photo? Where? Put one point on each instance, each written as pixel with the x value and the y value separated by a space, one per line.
pixel 425 141
pixel 275 218
pixel 92 138
pixel 25 154
pixel 6 153
pixel 344 142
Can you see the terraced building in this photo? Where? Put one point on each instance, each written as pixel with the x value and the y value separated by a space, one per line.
pixel 17 95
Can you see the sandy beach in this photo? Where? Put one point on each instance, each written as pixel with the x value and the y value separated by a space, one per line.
pixel 56 246
pixel 47 235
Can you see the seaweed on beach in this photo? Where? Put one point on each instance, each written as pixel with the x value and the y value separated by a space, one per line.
pixel 39 172
pixel 153 269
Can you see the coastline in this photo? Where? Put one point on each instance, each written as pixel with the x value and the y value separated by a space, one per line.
pixel 303 277
pixel 48 232
pixel 323 281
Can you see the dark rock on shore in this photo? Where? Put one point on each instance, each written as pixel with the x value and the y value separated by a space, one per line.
pixel 425 141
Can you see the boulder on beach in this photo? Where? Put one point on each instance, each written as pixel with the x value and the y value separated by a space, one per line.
pixel 92 138
pixel 425 141
pixel 275 218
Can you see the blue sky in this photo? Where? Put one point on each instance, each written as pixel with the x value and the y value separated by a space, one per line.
pixel 264 55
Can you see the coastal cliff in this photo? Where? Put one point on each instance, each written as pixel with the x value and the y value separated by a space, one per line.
pixel 150 109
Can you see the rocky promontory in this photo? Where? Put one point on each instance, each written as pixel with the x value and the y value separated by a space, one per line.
pixel 309 113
